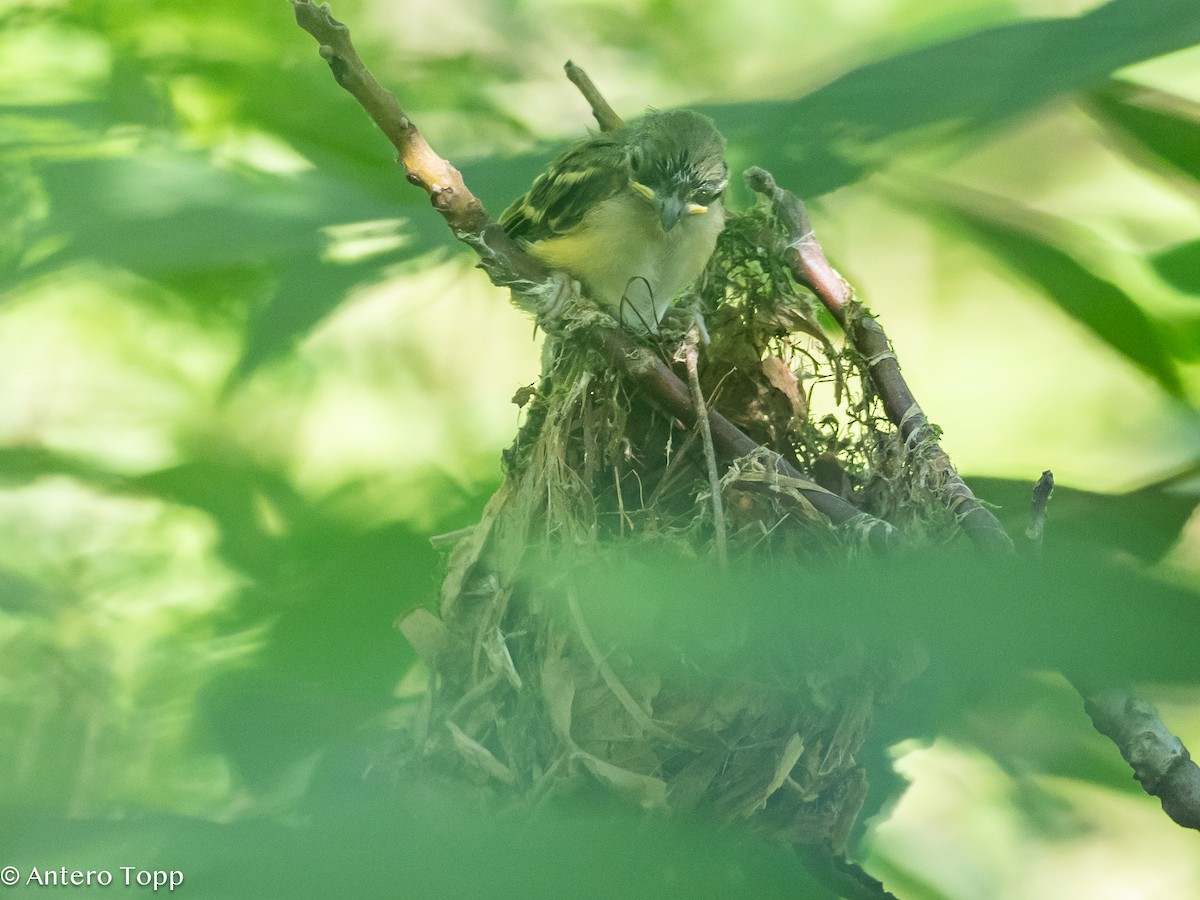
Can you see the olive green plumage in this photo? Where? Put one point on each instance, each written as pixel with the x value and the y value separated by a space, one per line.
pixel 633 215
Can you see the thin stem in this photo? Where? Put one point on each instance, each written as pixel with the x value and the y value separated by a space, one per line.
pixel 606 116
pixel 710 457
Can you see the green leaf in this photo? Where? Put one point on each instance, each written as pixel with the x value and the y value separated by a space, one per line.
pixel 164 212
pixel 838 133
pixel 1142 523
pixel 423 838
pixel 1180 266
pixel 177 218
pixel 1154 124
pixel 1014 237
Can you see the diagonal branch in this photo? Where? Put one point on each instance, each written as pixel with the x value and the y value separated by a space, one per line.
pixel 810 267
pixel 509 266
pixel 505 263
pixel 1160 761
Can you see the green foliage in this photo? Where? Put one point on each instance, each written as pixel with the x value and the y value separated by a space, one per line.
pixel 1094 302
pixel 246 376
pixel 959 89
pixel 1166 127
pixel 1180 266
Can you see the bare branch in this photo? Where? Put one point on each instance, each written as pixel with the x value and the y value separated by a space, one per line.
pixel 810 267
pixel 606 116
pixel 423 167
pixel 1037 512
pixel 1160 761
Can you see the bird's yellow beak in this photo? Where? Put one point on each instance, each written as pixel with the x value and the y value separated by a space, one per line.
pixel 670 209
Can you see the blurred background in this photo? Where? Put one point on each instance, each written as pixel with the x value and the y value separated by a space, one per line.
pixel 245 375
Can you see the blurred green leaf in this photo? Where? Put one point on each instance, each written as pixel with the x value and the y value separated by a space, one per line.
pixel 1158 125
pixel 1079 611
pixel 1180 266
pixel 1036 725
pixel 21 465
pixel 438 841
pixel 159 213
pixel 838 133
pixel 1144 523
pixel 1013 236
pixel 175 216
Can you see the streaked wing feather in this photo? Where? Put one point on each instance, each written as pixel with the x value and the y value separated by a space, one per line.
pixel 579 179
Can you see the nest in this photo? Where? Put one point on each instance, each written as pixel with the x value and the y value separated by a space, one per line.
pixel 529 699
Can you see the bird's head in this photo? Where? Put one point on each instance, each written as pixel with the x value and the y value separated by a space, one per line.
pixel 677 161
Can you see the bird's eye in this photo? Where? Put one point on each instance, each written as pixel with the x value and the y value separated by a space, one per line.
pixel 705 197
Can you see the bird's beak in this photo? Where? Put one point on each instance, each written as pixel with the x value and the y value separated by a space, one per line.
pixel 670 211
pixel 670 208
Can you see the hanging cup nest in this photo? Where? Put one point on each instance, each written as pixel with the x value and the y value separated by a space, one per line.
pixel 526 697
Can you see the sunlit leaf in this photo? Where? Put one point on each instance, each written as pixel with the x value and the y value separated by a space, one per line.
pixel 161 213
pixel 843 130
pixel 1096 303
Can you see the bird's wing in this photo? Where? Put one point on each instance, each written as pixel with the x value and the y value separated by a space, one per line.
pixel 585 175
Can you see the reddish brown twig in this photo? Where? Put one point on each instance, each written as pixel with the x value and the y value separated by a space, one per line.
pixel 508 266
pixel 1160 761
pixel 806 258
pixel 503 261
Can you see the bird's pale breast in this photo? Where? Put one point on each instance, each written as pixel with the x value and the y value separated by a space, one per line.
pixel 627 262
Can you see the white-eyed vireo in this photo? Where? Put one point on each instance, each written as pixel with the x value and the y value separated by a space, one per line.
pixel 633 214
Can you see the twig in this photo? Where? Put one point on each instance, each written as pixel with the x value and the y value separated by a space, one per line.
pixel 508 266
pixel 807 261
pixel 714 477
pixel 1036 529
pixel 606 116
pixel 499 256
pixel 670 395
pixel 1160 761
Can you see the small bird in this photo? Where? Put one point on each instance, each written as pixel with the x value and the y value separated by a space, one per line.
pixel 633 215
